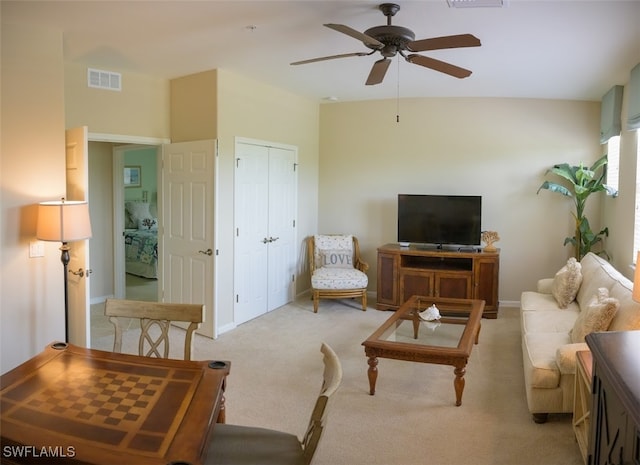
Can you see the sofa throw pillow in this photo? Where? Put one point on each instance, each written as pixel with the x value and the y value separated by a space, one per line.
pixel 336 259
pixel 566 283
pixel 596 317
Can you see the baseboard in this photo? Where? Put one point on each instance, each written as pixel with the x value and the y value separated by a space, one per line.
pixel 226 328
pixel 100 300
pixel 509 303
pixel 306 292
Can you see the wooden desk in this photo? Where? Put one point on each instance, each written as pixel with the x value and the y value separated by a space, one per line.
pixel 615 422
pixel 93 407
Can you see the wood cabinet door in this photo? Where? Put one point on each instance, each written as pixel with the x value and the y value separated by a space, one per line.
pixel 388 279
pixel 453 285
pixel 486 281
pixel 415 283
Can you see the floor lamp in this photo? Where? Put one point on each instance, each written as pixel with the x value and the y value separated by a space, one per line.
pixel 64 221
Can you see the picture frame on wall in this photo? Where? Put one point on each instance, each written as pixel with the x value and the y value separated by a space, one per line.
pixel 132 176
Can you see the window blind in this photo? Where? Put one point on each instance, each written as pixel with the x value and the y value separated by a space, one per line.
pixel 610 110
pixel 633 119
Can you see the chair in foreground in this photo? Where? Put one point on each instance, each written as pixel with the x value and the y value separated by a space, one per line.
pixel 155 321
pixel 337 271
pixel 246 445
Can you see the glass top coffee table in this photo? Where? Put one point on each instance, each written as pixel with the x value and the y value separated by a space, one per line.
pixel 446 341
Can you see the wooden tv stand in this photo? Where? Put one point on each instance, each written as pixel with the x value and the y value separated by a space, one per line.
pixel 424 270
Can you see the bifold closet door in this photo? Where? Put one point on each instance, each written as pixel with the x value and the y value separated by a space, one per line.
pixel 264 234
pixel 281 258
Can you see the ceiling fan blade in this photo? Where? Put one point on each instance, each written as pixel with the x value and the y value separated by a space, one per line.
pixel 438 65
pixel 437 43
pixel 367 40
pixel 378 70
pixel 332 57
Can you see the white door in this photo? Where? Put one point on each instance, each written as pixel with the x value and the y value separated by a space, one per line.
pixel 264 212
pixel 186 226
pixel 282 208
pixel 77 167
pixel 251 231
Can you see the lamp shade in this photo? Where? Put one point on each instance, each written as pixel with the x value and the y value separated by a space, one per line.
pixel 63 221
pixel 636 280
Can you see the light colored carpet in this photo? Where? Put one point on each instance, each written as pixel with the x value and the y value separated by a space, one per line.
pixel 276 372
pixel 139 288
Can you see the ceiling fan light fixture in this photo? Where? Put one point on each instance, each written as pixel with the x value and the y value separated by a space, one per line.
pixel 478 3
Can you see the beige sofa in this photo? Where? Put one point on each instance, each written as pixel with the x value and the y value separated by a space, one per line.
pixel 551 335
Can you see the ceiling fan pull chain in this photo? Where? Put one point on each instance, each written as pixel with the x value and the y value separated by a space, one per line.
pixel 398 95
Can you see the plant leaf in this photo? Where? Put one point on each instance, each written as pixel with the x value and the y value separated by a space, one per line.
pixel 553 187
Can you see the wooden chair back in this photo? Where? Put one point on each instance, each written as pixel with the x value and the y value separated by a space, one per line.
pixel 156 315
pixel 332 378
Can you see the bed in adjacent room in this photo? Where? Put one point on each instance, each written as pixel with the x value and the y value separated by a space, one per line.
pixel 141 252
pixel 141 240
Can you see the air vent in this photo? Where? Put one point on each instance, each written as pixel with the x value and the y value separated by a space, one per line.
pixel 104 79
pixel 477 3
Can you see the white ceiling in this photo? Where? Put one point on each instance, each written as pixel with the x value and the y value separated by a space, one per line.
pixel 562 49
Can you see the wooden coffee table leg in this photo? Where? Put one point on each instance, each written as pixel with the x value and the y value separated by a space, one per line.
pixel 458 384
pixel 372 373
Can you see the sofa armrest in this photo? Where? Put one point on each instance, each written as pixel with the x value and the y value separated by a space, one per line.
pixel 566 357
pixel 544 285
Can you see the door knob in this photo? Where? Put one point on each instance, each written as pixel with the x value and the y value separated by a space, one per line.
pixel 206 252
pixel 273 239
pixel 81 272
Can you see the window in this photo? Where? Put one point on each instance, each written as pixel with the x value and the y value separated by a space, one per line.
pixel 636 226
pixel 613 162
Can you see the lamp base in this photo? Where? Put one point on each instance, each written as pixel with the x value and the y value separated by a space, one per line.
pixel 65 258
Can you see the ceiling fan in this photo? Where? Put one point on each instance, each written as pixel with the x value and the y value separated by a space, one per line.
pixel 390 40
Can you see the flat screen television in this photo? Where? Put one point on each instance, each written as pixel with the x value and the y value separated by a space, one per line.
pixel 439 219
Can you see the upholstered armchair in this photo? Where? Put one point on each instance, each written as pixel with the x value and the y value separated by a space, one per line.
pixel 337 272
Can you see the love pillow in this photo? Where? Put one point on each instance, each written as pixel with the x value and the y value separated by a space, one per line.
pixel 336 259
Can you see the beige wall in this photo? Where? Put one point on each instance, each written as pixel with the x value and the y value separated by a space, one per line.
pixel 140 109
pixel 249 109
pixel 194 107
pixel 496 148
pixel 33 170
pixel 101 208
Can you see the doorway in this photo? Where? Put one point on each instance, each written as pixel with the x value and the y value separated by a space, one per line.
pixel 103 213
pixel 135 213
pixel 108 185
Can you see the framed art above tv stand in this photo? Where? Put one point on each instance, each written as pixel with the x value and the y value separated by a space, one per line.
pixel 407 271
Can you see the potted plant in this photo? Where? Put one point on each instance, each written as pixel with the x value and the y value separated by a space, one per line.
pixel 581 182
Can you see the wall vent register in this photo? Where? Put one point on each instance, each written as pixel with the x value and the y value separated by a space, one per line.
pixel 104 79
